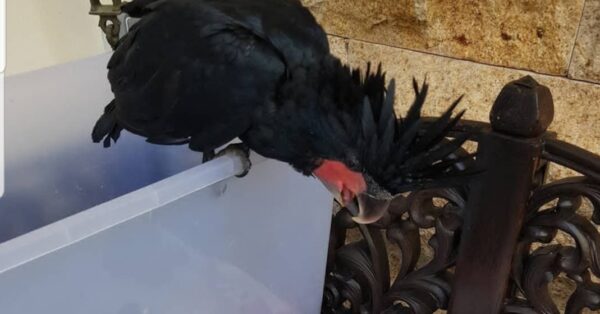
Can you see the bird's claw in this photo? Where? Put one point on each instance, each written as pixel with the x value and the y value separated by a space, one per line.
pixel 240 150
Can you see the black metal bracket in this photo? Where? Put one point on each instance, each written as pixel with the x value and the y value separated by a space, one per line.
pixel 109 21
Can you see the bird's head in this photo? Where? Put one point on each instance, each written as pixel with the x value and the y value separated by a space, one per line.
pixel 366 200
pixel 379 155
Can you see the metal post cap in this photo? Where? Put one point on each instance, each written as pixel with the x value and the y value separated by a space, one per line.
pixel 523 108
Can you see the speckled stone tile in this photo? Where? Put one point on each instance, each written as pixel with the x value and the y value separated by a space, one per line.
pixel 339 47
pixel 577 113
pixel 585 64
pixel 535 35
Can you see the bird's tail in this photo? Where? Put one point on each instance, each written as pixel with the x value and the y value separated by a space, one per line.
pixel 107 127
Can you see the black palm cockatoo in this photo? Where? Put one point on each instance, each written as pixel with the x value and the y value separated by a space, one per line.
pixel 203 72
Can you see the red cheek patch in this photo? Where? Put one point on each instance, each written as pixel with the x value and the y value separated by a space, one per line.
pixel 337 174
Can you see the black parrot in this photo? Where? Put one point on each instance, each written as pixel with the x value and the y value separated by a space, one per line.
pixel 203 72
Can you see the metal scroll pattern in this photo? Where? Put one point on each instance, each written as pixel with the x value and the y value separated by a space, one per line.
pixel 358 274
pixel 554 208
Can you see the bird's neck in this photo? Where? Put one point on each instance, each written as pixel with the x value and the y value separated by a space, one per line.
pixel 317 106
pixel 327 100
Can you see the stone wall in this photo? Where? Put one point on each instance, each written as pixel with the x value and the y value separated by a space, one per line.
pixel 475 47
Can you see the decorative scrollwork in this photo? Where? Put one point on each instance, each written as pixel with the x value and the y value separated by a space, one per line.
pixel 358 275
pixel 557 208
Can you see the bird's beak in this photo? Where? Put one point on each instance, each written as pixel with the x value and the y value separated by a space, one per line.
pixel 369 209
pixel 365 209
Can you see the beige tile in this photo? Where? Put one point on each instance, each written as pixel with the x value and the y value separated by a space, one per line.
pixel 339 48
pixel 585 64
pixel 577 114
pixel 536 35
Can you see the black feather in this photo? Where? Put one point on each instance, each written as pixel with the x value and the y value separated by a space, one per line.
pixel 386 115
pixel 439 128
pixel 409 154
pixel 445 167
pixel 138 8
pixel 368 121
pixel 414 113
pixel 406 139
pixel 420 161
pixel 107 127
pixel 204 72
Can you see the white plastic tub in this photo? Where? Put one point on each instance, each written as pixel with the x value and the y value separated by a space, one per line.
pixel 188 241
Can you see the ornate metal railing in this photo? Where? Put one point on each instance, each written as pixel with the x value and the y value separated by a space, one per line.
pixel 497 243
pixel 358 276
pixel 539 258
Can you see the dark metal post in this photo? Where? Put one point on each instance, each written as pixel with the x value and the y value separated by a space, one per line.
pixel 497 199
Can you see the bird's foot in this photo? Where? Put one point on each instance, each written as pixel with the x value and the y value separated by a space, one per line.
pixel 208 156
pixel 241 150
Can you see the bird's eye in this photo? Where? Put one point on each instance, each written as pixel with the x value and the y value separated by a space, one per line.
pixel 354 166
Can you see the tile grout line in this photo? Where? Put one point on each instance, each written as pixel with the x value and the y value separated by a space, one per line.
pixel 558 76
pixel 572 55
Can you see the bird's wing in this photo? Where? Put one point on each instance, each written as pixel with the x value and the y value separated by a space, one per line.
pixel 286 24
pixel 189 70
